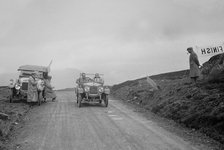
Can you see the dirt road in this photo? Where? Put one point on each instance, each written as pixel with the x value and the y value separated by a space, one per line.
pixel 61 125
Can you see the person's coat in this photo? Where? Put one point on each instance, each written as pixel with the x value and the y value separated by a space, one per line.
pixel 32 95
pixel 49 92
pixel 194 65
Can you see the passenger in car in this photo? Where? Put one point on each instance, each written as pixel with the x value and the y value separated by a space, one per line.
pixel 82 79
pixel 98 79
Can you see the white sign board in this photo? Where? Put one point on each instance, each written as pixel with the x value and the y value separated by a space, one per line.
pixel 210 50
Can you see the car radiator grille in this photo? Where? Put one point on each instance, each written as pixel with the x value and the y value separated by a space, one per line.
pixel 93 90
pixel 24 86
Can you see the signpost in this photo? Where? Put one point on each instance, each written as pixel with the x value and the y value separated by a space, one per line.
pixel 210 50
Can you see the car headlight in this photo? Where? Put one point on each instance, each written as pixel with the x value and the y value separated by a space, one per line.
pixel 17 86
pixel 100 89
pixel 87 88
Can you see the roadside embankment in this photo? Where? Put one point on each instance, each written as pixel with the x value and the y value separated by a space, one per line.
pixel 199 107
pixel 10 115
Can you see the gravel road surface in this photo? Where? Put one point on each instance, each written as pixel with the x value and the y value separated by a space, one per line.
pixel 61 125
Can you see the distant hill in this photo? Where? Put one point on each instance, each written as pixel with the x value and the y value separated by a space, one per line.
pixel 5 77
pixel 163 76
pixel 64 78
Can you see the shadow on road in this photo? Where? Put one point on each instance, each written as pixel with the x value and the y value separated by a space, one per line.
pixel 92 105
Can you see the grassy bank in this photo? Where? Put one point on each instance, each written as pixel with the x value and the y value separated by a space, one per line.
pixel 14 111
pixel 199 107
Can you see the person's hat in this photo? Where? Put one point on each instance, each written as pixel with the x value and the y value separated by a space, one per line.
pixel 190 49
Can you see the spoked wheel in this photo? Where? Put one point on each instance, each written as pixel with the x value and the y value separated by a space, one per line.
pixel 79 100
pixel 106 101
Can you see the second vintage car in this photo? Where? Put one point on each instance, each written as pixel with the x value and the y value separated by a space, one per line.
pixel 91 89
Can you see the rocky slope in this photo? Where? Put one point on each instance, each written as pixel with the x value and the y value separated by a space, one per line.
pixel 200 106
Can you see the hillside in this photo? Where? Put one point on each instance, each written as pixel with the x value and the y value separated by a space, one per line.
pixel 199 107
pixel 64 78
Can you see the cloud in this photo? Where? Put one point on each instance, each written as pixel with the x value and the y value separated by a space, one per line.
pixel 169 20
pixel 124 39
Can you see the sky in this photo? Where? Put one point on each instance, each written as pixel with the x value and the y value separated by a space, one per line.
pixel 122 39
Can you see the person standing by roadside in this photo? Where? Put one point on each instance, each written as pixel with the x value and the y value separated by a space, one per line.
pixel 12 87
pixel 40 89
pixel 49 92
pixel 32 95
pixel 194 65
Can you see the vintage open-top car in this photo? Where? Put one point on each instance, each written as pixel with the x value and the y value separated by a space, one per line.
pixel 91 89
pixel 20 88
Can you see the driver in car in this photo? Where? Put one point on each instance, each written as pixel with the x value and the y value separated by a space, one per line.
pixel 82 79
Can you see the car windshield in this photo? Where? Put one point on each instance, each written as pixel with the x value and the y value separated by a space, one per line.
pixel 93 78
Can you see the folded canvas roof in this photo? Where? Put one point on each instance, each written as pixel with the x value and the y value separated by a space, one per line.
pixel 33 68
